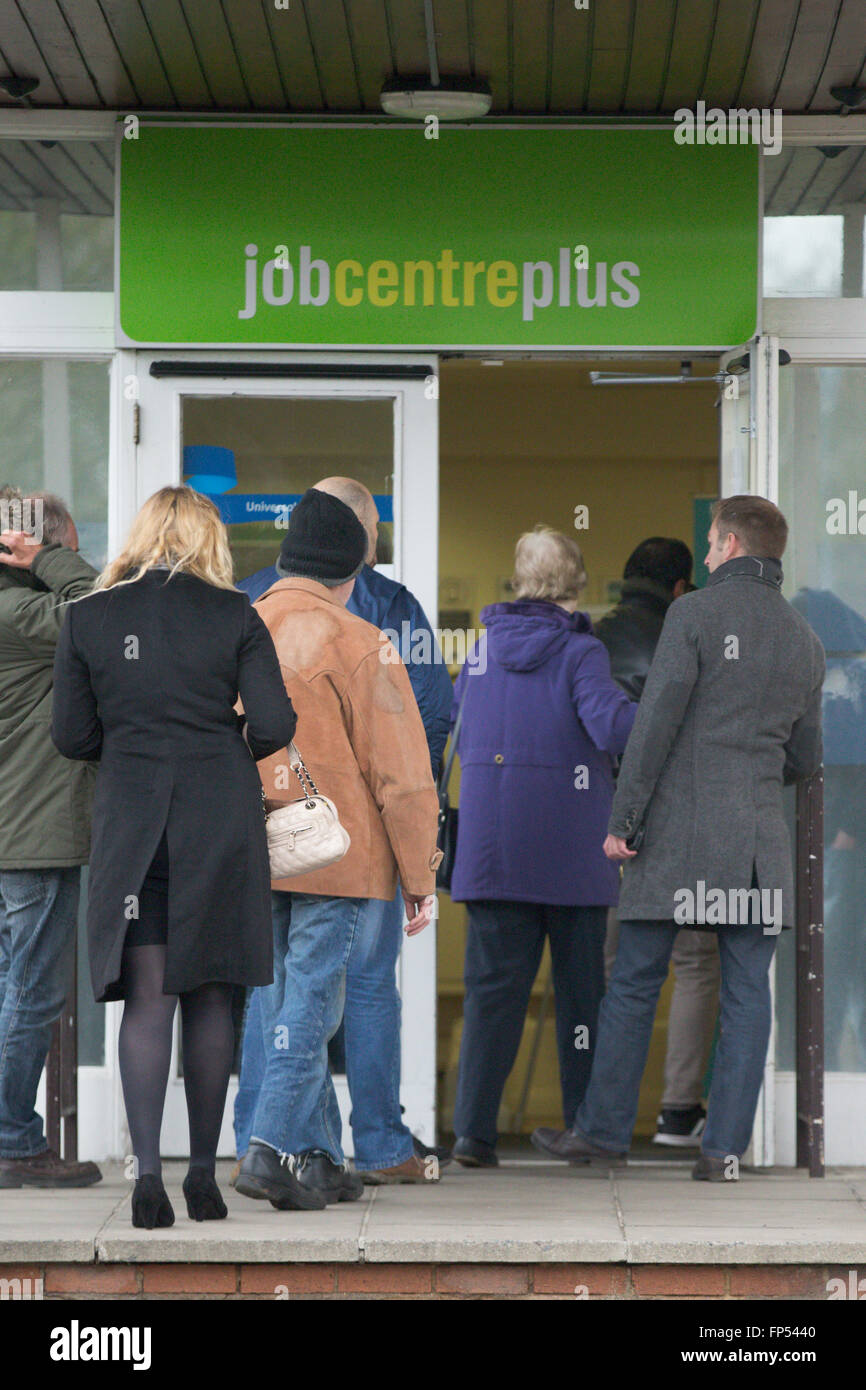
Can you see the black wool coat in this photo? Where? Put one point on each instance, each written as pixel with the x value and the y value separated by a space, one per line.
pixel 146 677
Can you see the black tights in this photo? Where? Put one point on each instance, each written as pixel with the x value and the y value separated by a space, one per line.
pixel 144 1046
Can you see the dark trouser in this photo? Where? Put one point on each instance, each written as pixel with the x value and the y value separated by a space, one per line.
pixel 504 944
pixel 625 1023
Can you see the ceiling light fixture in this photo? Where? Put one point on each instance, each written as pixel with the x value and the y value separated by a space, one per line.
pixel 849 98
pixel 19 87
pixel 454 99
pixel 446 98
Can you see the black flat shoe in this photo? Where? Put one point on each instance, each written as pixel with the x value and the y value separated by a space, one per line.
pixel 474 1153
pixel 440 1152
pixel 203 1198
pixel 150 1204
pixel 712 1169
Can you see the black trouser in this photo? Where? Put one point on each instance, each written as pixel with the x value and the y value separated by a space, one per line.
pixel 504 944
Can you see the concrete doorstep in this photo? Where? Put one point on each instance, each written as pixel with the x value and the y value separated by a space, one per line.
pixel 523 1213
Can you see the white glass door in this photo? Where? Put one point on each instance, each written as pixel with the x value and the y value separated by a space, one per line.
pixel 276 434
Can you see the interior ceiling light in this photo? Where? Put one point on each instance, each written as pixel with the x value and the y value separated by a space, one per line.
pixel 648 379
pixel 19 87
pixel 453 99
pixel 684 377
pixel 736 367
pixel 849 98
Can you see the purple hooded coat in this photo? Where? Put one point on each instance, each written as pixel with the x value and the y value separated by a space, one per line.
pixel 539 726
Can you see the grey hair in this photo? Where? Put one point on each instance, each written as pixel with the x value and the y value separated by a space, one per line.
pixel 55 516
pixel 547 565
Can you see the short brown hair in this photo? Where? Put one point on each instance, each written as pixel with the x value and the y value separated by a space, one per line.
pixel 758 525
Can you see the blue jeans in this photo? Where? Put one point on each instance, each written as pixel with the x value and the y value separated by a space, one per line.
pixel 297 1107
pixel 38 916
pixel 609 1108
pixel 372 1029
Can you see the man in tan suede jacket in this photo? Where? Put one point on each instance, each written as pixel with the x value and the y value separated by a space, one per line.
pixel 362 739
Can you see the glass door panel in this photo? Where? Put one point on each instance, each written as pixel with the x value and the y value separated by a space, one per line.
pixel 823 495
pixel 277 447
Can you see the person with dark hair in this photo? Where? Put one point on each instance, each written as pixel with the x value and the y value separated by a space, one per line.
pixel 731 710
pixel 44 826
pixel 664 560
pixel 657 572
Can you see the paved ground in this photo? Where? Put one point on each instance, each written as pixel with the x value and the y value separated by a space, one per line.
pixel 525 1211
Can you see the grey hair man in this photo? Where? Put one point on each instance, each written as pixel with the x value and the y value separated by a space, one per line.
pixel 731 710
pixel 44 826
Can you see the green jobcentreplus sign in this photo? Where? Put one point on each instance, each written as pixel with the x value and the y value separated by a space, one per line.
pixel 484 237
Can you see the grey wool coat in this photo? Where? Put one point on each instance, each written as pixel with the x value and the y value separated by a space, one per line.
pixel 730 712
pixel 146 678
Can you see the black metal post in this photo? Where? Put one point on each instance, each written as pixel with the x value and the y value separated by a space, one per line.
pixel 61 1076
pixel 810 975
pixel 52 1092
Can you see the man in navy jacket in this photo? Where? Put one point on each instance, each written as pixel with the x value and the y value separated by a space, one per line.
pixel 384 1147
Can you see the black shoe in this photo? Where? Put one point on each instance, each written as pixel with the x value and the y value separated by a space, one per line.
pixel 681 1129
pixel 440 1152
pixel 475 1153
pixel 273 1177
pixel 47 1169
pixel 572 1146
pixel 150 1204
pixel 711 1169
pixel 318 1172
pixel 203 1198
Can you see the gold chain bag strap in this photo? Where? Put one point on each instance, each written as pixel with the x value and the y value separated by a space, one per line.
pixel 306 834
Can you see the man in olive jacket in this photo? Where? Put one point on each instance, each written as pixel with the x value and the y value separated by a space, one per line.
pixel 731 710
pixel 44 828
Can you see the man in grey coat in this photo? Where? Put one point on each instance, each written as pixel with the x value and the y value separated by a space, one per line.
pixel 731 710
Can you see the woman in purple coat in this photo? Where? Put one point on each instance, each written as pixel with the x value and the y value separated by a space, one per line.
pixel 542 719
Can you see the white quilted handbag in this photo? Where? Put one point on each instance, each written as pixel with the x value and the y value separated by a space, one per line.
pixel 306 834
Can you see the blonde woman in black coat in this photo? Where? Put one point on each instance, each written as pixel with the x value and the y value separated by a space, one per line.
pixel 148 671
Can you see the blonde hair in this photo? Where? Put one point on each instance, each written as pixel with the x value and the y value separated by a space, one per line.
pixel 547 565
pixel 178 527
